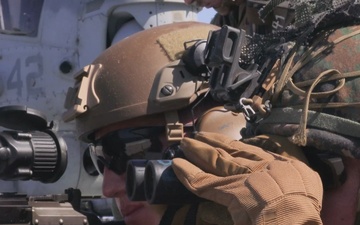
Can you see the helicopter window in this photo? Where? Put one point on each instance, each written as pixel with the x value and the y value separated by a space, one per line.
pixel 20 17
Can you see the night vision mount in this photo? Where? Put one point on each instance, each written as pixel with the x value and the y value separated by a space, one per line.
pixel 231 81
pixel 31 149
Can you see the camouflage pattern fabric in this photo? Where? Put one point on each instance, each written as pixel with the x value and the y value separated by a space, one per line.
pixel 337 94
pixel 343 57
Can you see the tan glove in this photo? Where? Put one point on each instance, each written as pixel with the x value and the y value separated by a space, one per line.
pixel 257 187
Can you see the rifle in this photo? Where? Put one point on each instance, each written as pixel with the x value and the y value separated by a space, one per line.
pixel 32 150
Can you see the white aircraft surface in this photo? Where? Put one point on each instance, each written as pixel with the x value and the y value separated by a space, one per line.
pixel 44 42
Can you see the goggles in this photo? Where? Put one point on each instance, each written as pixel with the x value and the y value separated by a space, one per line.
pixel 115 149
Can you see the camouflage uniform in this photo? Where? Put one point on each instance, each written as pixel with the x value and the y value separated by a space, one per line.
pixel 316 97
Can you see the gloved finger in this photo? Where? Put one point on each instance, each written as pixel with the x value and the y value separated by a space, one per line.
pixel 234 147
pixel 217 161
pixel 279 145
pixel 205 185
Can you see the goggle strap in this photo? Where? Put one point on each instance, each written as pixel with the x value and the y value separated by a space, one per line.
pixel 134 147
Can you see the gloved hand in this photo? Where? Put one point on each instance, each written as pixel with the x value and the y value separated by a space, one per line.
pixel 256 186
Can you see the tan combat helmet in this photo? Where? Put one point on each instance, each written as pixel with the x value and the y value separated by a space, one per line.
pixel 141 75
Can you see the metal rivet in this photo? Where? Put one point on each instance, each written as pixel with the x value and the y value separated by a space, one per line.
pixel 167 90
pixel 66 67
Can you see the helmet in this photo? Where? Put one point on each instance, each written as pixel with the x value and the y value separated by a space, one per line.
pixel 140 75
pixel 317 95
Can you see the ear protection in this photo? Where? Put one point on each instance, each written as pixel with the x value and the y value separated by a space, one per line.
pixel 223 121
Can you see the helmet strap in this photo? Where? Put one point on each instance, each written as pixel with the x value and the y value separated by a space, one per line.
pixel 174 129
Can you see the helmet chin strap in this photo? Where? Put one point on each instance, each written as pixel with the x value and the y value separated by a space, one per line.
pixel 174 129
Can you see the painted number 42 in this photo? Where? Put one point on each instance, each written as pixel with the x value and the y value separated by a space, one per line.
pixel 33 64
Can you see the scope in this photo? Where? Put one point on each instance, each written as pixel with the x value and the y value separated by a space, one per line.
pixel 31 149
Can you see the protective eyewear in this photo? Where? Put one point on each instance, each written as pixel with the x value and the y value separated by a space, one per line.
pixel 115 149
